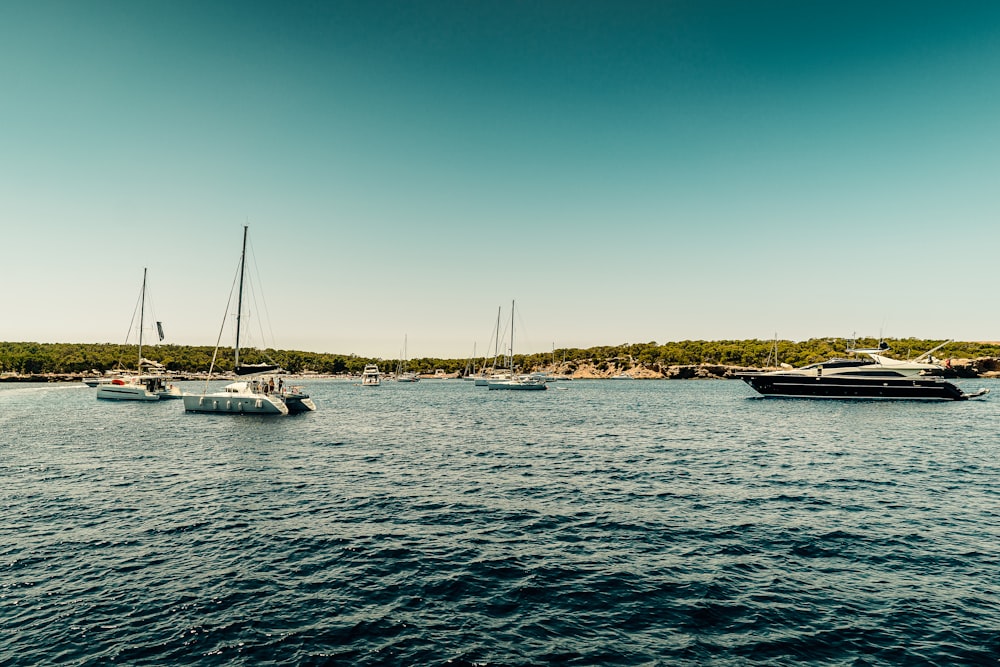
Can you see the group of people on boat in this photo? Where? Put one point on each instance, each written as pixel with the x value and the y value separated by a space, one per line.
pixel 267 387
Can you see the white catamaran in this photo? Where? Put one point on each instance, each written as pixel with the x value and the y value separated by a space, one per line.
pixel 260 393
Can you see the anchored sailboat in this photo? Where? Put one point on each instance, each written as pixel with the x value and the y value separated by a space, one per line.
pixel 516 381
pixel 152 385
pixel 260 393
pixel 403 373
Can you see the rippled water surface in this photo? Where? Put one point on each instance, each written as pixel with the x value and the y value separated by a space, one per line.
pixel 598 523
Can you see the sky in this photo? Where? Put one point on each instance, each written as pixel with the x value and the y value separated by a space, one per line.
pixel 626 171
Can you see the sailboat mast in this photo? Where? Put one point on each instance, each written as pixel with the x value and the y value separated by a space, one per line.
pixel 239 299
pixel 496 345
pixel 512 338
pixel 142 317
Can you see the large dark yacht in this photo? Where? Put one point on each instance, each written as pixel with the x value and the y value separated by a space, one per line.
pixel 872 375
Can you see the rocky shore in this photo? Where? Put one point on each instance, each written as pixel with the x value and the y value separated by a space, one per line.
pixel 958 368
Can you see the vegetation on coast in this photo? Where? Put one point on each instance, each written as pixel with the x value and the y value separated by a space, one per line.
pixel 83 358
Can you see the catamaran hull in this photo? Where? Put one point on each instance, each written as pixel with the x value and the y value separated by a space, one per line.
pixel 239 405
pixel 802 386
pixel 297 403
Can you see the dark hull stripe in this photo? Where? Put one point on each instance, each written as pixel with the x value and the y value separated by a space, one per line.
pixel 826 387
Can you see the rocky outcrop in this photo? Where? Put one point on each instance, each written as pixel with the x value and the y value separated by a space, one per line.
pixel 961 368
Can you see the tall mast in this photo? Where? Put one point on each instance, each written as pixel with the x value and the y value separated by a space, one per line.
pixel 512 338
pixel 142 316
pixel 239 300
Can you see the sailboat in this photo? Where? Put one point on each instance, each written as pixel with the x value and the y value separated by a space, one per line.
pixel 402 374
pixel 256 394
pixel 483 379
pixel 515 381
pixel 152 385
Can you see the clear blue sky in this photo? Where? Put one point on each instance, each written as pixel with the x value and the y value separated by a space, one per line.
pixel 628 171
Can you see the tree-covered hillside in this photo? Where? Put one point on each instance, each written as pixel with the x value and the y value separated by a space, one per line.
pixel 38 358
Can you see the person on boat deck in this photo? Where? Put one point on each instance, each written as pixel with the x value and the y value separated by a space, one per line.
pixel 270 385
pixel 281 383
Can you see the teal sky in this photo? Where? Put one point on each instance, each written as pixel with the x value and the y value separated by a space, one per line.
pixel 627 171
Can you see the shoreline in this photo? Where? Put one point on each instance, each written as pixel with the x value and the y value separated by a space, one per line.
pixel 986 367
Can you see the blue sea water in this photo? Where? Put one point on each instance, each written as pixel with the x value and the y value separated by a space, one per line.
pixel 597 523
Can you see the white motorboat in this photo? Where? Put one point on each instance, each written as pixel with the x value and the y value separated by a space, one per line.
pixel 256 392
pixel 154 387
pixel 126 388
pixel 516 382
pixel 371 377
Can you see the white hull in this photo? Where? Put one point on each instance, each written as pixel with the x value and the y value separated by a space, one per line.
pixel 518 385
pixel 125 392
pixel 235 403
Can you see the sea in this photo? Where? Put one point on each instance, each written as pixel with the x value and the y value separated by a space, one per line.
pixel 439 523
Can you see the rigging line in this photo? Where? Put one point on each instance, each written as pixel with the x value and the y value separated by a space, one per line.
pixel 267 315
pixel 524 336
pixel 225 317
pixel 151 310
pixel 131 324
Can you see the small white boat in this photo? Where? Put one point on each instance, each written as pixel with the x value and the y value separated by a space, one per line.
pixel 138 386
pixel 153 387
pixel 371 377
pixel 126 388
pixel 402 374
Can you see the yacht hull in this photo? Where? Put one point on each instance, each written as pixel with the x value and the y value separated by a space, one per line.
pixel 804 386
pixel 518 385
pixel 127 392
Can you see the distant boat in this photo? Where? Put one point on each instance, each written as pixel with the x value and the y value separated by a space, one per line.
pixel 515 382
pixel 139 386
pixel 402 374
pixel 485 376
pixel 622 376
pixel 370 376
pixel 257 394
